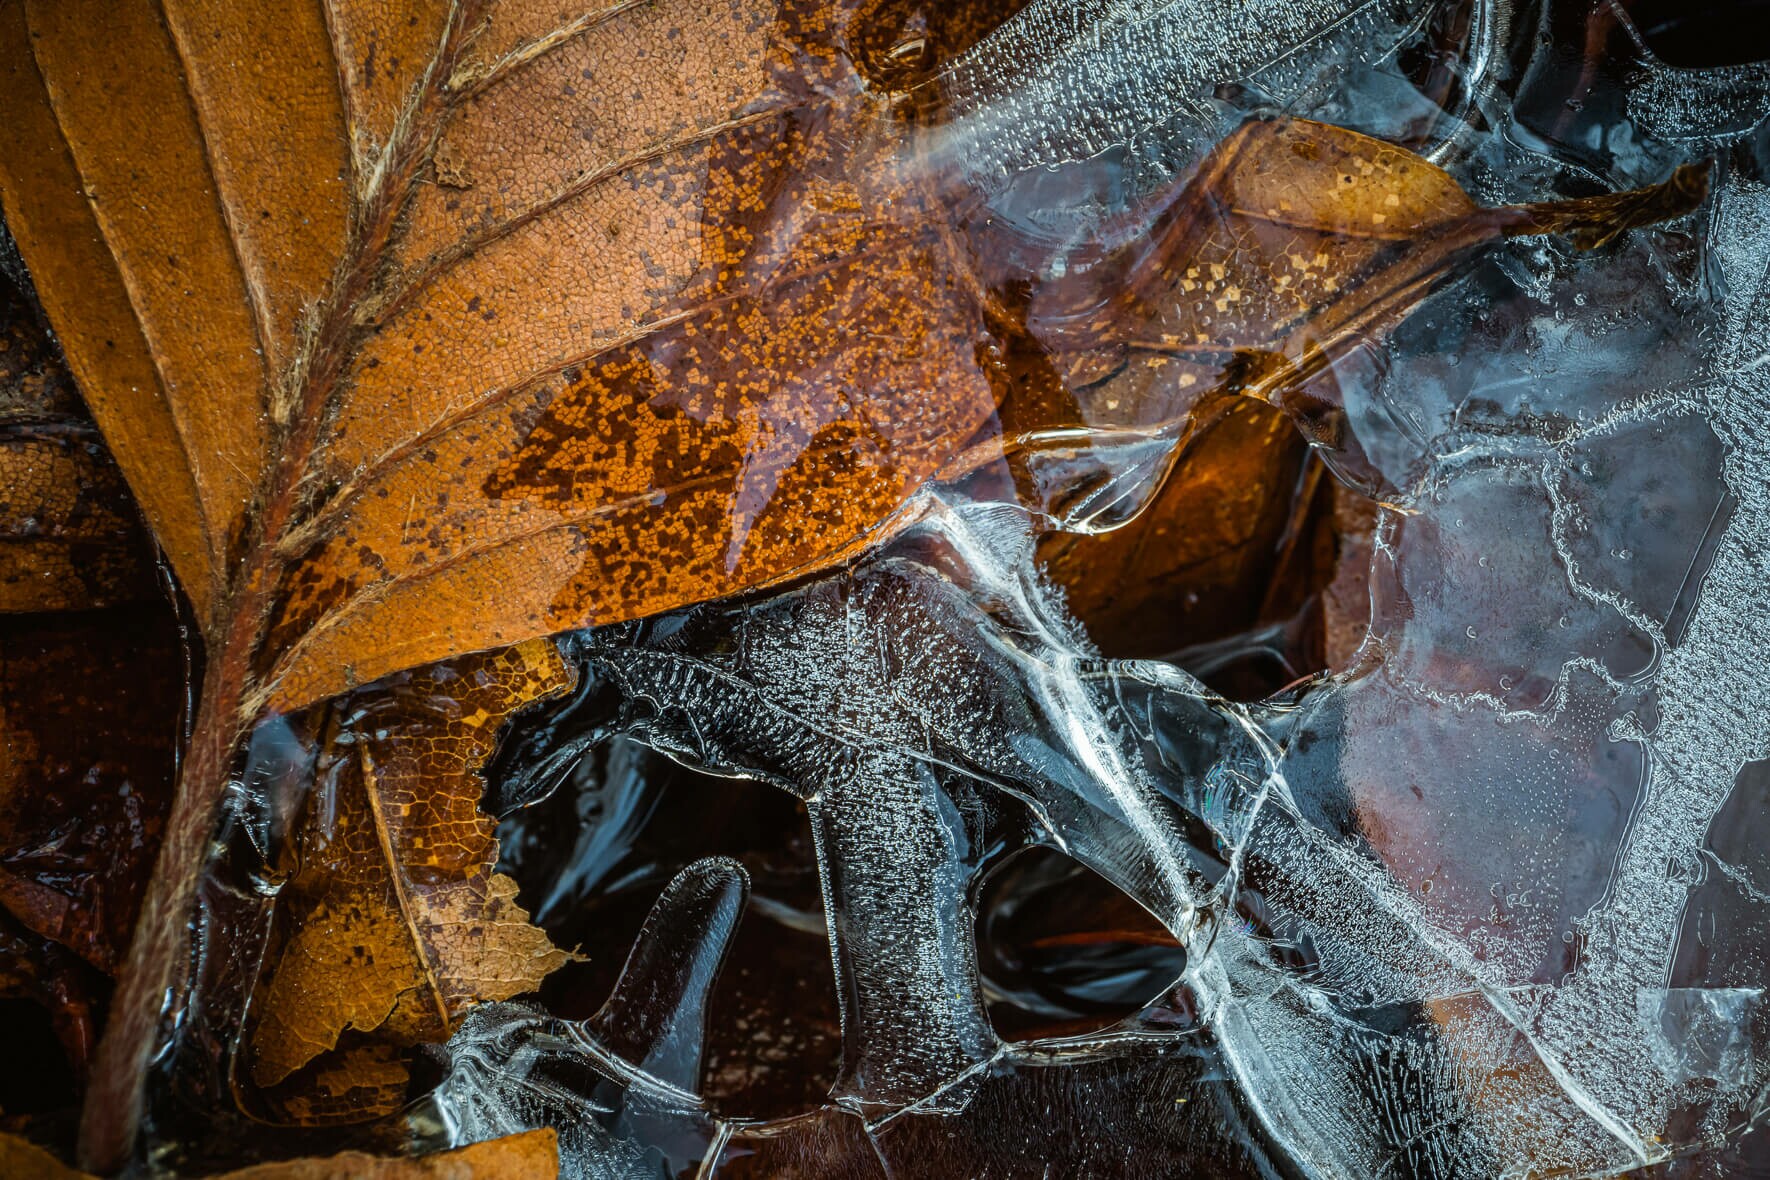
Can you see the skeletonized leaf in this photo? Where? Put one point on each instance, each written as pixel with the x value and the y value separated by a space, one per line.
pixel 394 923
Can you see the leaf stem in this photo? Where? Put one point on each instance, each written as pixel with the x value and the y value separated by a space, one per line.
pixel 232 699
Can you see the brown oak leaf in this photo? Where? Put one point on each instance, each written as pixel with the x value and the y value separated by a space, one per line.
pixel 528 1155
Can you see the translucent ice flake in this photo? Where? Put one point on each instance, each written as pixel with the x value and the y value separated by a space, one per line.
pixel 1131 89
pixel 1701 1033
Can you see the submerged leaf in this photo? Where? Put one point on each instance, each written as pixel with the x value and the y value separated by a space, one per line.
pixel 89 728
pixel 394 923
pixel 90 666
pixel 69 537
pixel 1294 245
pixel 530 1155
pixel 59 991
pixel 1212 552
pixel 90 695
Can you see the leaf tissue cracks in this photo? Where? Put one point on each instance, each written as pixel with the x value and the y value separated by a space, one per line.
pixel 422 330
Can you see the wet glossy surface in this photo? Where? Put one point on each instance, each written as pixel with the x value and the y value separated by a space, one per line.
pixel 1142 589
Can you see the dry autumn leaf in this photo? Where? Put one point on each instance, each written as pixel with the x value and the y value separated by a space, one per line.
pixel 530 1155
pixel 421 334
pixel 394 922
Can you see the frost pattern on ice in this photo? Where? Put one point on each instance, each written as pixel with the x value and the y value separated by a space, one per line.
pixel 1073 110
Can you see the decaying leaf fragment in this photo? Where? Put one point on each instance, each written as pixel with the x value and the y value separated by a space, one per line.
pixel 89 664
pixel 90 688
pixel 88 740
pixel 531 1155
pixel 69 537
pixel 394 922
pixel 66 990
pixel 1295 244
pixel 557 317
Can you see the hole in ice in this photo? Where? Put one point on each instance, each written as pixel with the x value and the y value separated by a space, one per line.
pixel 39 1077
pixel 1061 951
pixel 1704 34
pixel 1727 919
pixel 592 859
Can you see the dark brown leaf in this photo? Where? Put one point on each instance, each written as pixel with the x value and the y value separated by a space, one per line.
pixel 531 1155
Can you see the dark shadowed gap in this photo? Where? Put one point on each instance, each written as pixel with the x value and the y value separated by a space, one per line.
pixel 37 1077
pixel 1062 951
pixel 1704 33
pixel 591 860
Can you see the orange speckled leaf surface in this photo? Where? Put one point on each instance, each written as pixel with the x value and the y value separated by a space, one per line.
pixel 425 331
pixel 598 319
pixel 394 922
